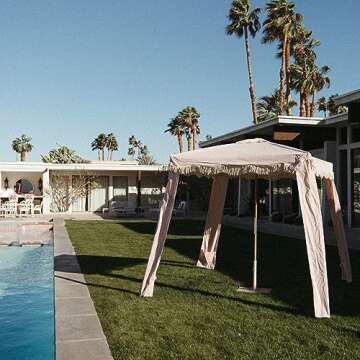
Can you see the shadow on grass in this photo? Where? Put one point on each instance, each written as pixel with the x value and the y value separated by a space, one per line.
pixel 88 259
pixel 282 263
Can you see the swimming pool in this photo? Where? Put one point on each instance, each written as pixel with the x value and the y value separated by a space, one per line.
pixel 26 303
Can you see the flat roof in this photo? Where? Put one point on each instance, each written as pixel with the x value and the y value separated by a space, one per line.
pixel 283 120
pixel 29 166
pixel 347 98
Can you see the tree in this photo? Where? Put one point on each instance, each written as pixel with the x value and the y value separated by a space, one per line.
pixel 320 80
pixel 63 195
pixel 282 24
pixel 22 145
pixel 136 148
pixel 176 128
pixel 322 105
pixel 333 107
pixel 62 155
pixel 269 106
pixel 189 117
pixel 111 145
pixel 244 20
pixel 99 144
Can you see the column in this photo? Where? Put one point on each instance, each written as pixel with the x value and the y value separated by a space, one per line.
pixel 46 191
pixel 110 190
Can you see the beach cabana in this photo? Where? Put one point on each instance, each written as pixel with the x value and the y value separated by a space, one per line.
pixel 256 159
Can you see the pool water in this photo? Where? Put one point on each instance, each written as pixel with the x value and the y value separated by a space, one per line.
pixel 26 303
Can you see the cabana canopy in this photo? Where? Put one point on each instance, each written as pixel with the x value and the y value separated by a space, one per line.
pixel 254 159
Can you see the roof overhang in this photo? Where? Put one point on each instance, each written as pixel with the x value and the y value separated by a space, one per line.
pixel 263 128
pixel 93 167
pixel 350 97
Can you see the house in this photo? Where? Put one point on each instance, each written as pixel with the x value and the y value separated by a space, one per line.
pixel 128 182
pixel 335 139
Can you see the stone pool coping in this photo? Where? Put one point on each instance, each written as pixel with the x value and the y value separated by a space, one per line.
pixel 78 331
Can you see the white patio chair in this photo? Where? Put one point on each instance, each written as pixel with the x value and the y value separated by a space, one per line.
pixel 25 207
pixel 37 208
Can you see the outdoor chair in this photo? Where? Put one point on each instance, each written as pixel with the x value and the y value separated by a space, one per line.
pixel 37 208
pixel 181 210
pixel 25 207
pixel 119 208
pixel 9 208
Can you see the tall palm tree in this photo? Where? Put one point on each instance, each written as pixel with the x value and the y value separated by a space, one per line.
pixel 22 145
pixel 269 106
pixel 322 105
pixel 99 144
pixel 176 128
pixel 244 20
pixel 303 69
pixel 320 81
pixel 281 24
pixel 111 145
pixel 190 118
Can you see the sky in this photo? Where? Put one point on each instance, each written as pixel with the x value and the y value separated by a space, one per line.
pixel 72 69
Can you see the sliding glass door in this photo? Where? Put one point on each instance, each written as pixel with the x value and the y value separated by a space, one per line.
pixel 355 166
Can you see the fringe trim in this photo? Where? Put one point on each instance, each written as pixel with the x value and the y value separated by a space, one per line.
pixel 248 171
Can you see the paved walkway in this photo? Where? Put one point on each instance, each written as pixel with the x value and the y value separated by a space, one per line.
pixel 79 334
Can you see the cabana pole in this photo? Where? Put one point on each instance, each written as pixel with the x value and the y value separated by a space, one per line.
pixel 255 234
pixel 254 288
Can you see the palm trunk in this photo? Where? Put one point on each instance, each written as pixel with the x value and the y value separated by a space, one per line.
pixel 193 137
pixel 282 76
pixel 102 154
pixel 99 154
pixel 251 88
pixel 288 85
pixel 313 107
pixel 302 110
pixel 180 142
pixel 307 105
pixel 189 141
pixel 23 156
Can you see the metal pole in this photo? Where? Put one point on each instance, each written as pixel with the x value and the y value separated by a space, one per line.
pixel 255 235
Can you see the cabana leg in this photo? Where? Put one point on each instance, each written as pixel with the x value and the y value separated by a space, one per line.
pixel 166 210
pixel 254 288
pixel 207 255
pixel 338 225
pixel 314 236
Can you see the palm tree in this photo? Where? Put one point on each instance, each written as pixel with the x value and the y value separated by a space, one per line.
pixel 190 118
pixel 244 20
pixel 22 145
pixel 282 24
pixel 333 107
pixel 322 105
pixel 269 106
pixel 111 145
pixel 176 128
pixel 320 81
pixel 99 144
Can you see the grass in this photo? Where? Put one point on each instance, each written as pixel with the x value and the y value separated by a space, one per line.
pixel 197 313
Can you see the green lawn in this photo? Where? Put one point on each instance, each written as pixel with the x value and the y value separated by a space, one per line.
pixel 197 313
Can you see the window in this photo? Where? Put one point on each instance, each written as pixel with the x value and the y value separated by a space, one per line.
pixel 343 182
pixel 355 165
pixel 355 134
pixel 24 186
pixel 343 136
pixel 120 184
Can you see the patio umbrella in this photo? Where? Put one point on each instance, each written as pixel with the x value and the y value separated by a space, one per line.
pixel 256 159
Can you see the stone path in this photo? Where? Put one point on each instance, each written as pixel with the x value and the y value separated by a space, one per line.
pixel 79 334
